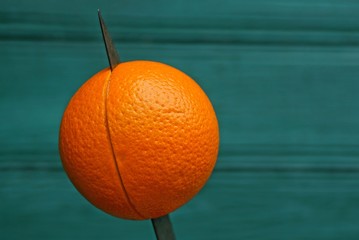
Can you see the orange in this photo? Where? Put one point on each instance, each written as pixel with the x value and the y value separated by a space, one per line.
pixel 140 141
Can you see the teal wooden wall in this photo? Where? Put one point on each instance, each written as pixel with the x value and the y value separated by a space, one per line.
pixel 283 76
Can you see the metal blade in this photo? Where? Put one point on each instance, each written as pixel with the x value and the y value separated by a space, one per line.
pixel 112 55
pixel 162 225
pixel 163 228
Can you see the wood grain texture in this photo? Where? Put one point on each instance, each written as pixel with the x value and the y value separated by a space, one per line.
pixel 41 204
pixel 282 76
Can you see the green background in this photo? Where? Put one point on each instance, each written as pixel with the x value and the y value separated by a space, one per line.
pixel 281 74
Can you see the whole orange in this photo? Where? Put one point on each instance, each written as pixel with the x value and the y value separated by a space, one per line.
pixel 140 141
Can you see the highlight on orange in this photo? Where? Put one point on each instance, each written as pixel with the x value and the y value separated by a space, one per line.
pixel 140 141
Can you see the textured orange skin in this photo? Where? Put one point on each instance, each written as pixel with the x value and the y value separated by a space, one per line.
pixel 141 141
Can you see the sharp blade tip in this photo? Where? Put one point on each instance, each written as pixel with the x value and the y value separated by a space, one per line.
pixel 99 13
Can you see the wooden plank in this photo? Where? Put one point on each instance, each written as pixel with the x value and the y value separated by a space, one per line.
pixel 259 22
pixel 264 96
pixel 237 205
